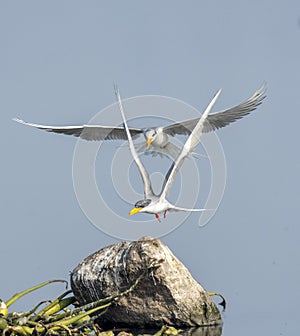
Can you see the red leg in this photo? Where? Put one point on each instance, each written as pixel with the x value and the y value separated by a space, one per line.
pixel 157 217
pixel 165 213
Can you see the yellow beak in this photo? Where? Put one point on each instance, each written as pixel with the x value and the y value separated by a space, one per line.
pixel 134 211
pixel 149 142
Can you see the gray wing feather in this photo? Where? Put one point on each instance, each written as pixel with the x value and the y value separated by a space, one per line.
pixel 87 132
pixel 219 119
pixel 189 146
pixel 143 172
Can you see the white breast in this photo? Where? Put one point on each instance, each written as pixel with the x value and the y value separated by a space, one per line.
pixel 157 207
pixel 161 140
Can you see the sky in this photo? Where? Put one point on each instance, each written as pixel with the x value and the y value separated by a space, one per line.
pixel 59 61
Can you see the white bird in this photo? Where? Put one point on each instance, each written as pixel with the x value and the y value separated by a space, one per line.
pixel 158 137
pixel 155 204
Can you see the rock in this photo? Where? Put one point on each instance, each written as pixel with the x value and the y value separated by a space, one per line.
pixel 167 293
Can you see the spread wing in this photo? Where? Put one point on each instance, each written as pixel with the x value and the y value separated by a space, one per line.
pixel 189 146
pixel 219 119
pixel 143 172
pixel 88 132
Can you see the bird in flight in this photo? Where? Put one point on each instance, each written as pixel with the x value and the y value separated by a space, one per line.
pixel 155 204
pixel 158 137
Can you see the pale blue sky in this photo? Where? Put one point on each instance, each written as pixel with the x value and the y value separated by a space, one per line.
pixel 59 60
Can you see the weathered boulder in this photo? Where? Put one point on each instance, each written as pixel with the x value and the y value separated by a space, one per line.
pixel 167 293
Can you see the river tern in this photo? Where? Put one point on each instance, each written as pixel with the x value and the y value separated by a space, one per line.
pixel 157 138
pixel 156 204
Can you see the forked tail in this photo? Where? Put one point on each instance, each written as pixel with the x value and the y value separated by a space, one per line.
pixel 176 208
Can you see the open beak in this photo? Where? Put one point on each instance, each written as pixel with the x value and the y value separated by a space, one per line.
pixel 134 211
pixel 149 142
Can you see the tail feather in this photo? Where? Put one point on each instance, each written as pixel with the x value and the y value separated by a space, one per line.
pixel 176 208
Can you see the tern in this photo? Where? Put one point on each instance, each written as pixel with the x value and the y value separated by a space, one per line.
pixel 155 204
pixel 158 137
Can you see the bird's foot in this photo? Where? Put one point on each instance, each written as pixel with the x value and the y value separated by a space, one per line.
pixel 165 213
pixel 157 217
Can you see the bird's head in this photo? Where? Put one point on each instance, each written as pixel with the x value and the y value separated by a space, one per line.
pixel 139 206
pixel 150 135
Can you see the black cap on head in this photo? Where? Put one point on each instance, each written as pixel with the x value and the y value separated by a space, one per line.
pixel 142 203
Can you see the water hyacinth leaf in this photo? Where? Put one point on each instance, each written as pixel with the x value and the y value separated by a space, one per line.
pixel 56 305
